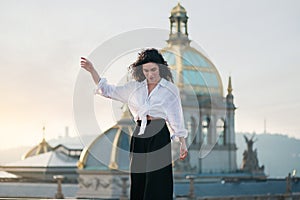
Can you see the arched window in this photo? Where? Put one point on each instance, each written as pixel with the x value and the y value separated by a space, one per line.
pixel 220 132
pixel 205 126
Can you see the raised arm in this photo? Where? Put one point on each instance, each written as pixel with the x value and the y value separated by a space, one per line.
pixel 88 66
pixel 119 93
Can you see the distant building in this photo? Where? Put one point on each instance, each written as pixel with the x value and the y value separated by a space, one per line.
pixel 43 161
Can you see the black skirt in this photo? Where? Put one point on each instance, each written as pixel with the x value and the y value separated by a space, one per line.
pixel 151 162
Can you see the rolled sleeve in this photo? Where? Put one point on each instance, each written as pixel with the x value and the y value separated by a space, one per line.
pixel 104 89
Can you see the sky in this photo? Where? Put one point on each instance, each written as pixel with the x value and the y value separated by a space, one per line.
pixel 256 42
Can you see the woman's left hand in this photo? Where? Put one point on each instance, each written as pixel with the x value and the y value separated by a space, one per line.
pixel 183 149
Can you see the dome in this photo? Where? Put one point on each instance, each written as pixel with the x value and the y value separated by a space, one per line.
pixel 178 10
pixel 42 147
pixel 193 71
pixel 110 150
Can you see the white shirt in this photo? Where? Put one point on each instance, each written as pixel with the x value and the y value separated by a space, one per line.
pixel 163 102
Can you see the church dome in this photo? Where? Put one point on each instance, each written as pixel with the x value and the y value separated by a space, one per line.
pixel 42 147
pixel 192 71
pixel 110 150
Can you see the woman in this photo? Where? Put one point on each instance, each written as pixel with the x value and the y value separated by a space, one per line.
pixel 153 100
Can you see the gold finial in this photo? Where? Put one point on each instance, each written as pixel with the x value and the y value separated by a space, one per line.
pixel 44 132
pixel 229 89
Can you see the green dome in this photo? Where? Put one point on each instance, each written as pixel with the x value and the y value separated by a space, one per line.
pixel 193 71
pixel 110 150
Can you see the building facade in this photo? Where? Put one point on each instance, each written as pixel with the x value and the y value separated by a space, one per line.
pixel 208 115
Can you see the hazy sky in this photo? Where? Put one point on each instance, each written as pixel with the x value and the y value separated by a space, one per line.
pixel 255 41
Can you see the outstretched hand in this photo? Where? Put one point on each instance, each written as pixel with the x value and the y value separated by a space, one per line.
pixel 86 64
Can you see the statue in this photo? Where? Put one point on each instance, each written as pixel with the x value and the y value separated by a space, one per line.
pixel 250 160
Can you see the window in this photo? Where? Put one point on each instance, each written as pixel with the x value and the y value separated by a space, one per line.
pixel 205 126
pixel 220 132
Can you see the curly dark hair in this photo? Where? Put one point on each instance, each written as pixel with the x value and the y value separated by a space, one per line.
pixel 146 56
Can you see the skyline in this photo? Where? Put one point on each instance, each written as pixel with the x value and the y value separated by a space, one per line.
pixel 254 42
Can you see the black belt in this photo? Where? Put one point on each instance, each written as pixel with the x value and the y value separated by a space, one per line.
pixel 139 122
